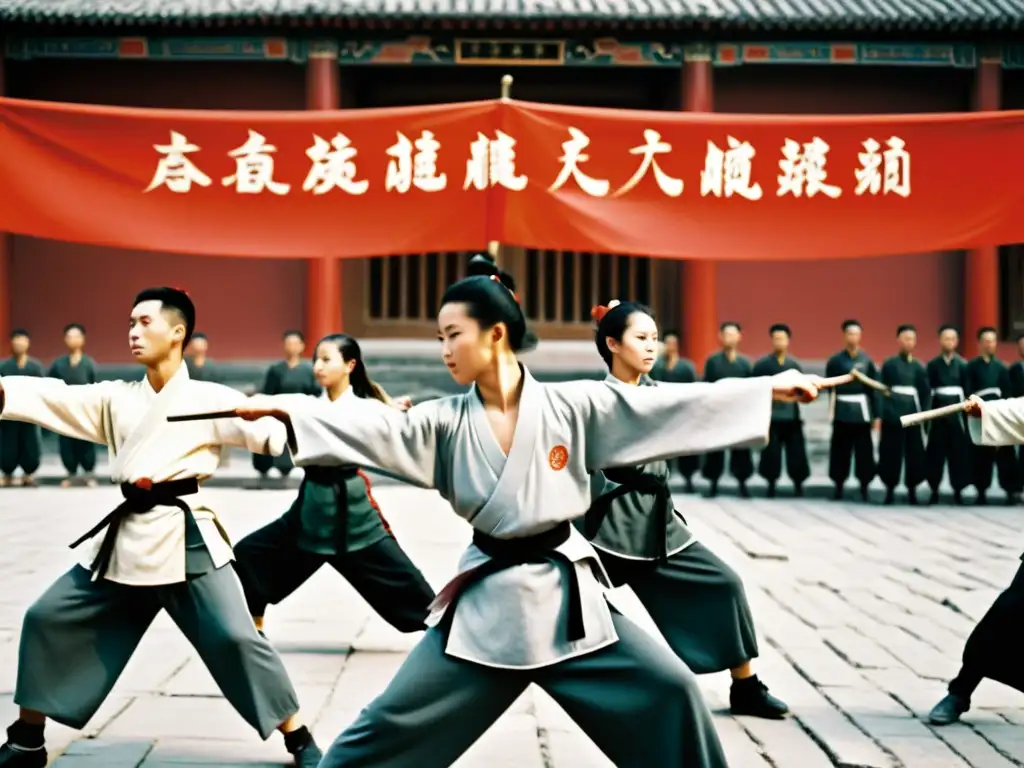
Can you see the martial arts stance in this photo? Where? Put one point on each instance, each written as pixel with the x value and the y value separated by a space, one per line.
pixel 293 375
pixel 154 551
pixel 200 366
pixel 989 379
pixel 20 444
pixel 75 367
pixel 728 364
pixel 335 520
pixel 673 368
pixel 513 456
pixel 787 432
pixel 948 442
pixel 854 408
pixel 901 450
pixel 696 600
pixel 993 648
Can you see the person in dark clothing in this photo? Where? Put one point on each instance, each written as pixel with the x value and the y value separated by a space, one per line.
pixel 728 364
pixel 291 376
pixel 989 379
pixel 75 367
pixel 948 442
pixel 901 449
pixel 855 409
pixel 200 366
pixel 20 443
pixel 673 368
pixel 335 521
pixel 787 429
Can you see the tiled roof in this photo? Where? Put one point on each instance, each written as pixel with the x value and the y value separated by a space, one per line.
pixel 791 15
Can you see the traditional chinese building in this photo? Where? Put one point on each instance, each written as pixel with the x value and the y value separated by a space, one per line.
pixel 846 57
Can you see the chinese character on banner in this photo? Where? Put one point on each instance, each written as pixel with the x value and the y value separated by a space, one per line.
pixel 333 166
pixel 653 145
pixel 572 156
pixel 803 170
pixel 174 170
pixel 254 168
pixel 886 172
pixel 406 170
pixel 727 172
pixel 493 163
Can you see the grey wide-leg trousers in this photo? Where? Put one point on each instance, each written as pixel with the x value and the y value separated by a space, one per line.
pixel 636 700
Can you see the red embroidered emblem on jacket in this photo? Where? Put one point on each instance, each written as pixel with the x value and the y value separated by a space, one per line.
pixel 558 457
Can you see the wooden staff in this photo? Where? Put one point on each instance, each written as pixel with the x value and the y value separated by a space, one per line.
pixel 870 383
pixel 494 247
pixel 914 419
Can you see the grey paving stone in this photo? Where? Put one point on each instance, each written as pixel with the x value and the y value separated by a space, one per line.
pixel 862 613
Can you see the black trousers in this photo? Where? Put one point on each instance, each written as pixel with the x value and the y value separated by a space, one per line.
pixel 77 454
pixel 993 648
pixel 20 446
pixel 901 453
pixel 271 566
pixel 851 443
pixel 263 463
pixel 688 466
pixel 785 436
pixel 741 465
pixel 1005 461
pixel 948 443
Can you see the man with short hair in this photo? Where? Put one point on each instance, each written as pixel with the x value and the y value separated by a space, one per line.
pixel 901 449
pixel 291 376
pixel 728 364
pixel 75 368
pixel 787 429
pixel 989 379
pixel 154 552
pixel 200 366
pixel 948 441
pixel 20 444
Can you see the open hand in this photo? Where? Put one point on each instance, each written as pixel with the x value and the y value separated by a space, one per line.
pixel 973 406
pixel 794 387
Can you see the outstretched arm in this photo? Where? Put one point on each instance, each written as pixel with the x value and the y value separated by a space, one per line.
pixel 996 422
pixel 74 411
pixel 626 426
pixel 364 432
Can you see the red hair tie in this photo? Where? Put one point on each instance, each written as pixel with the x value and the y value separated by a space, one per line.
pixel 598 312
pixel 497 279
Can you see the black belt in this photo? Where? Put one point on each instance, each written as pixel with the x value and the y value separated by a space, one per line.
pixel 334 477
pixel 507 553
pixel 141 497
pixel 633 481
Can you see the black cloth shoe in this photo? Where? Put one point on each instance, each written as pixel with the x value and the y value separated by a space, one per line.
pixel 771 490
pixel 864 493
pixel 303 748
pixel 912 497
pixel 744 493
pixel 750 697
pixel 837 494
pixel 948 710
pixel 890 496
pixel 16 757
pixel 713 489
pixel 798 491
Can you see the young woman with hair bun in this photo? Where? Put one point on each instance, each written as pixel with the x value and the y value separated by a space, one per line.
pixel 697 601
pixel 514 458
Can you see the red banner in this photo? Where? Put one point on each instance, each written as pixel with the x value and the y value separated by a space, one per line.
pixel 377 182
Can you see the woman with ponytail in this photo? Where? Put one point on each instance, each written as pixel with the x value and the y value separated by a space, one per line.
pixel 697 601
pixel 335 519
pixel 514 457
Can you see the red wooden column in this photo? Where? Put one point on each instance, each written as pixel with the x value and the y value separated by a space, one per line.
pixel 323 275
pixel 700 304
pixel 5 256
pixel 981 265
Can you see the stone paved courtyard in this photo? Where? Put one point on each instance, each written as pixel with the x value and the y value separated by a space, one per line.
pixel 862 611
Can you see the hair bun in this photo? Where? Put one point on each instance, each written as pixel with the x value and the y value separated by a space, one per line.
pixel 482 264
pixel 598 312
